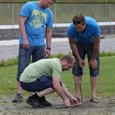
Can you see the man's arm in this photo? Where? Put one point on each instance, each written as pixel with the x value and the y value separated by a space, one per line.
pixel 96 48
pixel 68 94
pixel 48 41
pixel 22 29
pixel 93 61
pixel 75 52
pixel 58 89
pixel 48 37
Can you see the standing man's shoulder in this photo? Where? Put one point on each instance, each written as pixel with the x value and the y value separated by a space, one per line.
pixel 49 12
pixel 71 30
pixel 26 8
pixel 91 21
pixel 93 26
pixel 71 26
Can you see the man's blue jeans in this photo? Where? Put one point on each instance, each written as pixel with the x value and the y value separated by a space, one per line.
pixel 39 84
pixel 36 53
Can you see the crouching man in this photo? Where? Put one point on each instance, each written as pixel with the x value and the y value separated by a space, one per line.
pixel 44 77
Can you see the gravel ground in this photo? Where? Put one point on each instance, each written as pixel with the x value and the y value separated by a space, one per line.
pixel 105 107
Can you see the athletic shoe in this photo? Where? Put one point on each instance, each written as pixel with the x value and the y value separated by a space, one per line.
pixel 33 101
pixel 41 100
pixel 18 98
pixel 44 102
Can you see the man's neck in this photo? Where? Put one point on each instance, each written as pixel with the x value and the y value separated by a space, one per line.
pixel 40 4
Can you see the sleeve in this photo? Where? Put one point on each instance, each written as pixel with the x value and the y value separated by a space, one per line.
pixel 25 10
pixel 50 20
pixel 56 71
pixel 70 31
pixel 97 31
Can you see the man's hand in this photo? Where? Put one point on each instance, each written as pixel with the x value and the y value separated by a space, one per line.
pixel 67 102
pixel 26 44
pixel 93 63
pixel 81 63
pixel 47 53
pixel 74 100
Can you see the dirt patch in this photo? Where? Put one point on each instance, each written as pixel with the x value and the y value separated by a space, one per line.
pixel 105 107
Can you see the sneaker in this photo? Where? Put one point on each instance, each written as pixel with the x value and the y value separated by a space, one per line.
pixel 44 102
pixel 18 98
pixel 41 100
pixel 34 102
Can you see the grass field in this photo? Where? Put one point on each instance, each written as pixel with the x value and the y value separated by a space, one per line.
pixel 106 79
pixel 106 84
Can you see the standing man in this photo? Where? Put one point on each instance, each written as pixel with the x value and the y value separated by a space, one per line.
pixel 35 24
pixel 44 77
pixel 84 38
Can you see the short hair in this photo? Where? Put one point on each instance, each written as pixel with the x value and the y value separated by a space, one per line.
pixel 78 19
pixel 69 58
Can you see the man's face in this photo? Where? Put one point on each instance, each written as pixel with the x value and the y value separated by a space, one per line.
pixel 80 27
pixel 67 66
pixel 47 3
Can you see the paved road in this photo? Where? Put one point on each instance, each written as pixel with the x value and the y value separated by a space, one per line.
pixel 9 48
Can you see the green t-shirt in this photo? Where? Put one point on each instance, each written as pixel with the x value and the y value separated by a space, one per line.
pixel 48 67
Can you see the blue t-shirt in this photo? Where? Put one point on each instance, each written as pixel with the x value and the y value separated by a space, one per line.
pixel 37 20
pixel 92 31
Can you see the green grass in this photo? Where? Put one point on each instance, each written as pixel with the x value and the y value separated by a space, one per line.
pixel 8 79
pixel 106 82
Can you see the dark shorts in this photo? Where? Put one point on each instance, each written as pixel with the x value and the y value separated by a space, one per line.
pixel 86 49
pixel 40 84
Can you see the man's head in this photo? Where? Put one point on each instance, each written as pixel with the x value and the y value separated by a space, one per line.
pixel 79 23
pixel 67 62
pixel 46 3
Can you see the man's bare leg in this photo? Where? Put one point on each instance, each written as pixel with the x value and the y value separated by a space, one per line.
pixel 18 97
pixel 94 98
pixel 19 88
pixel 45 92
pixel 78 80
pixel 93 81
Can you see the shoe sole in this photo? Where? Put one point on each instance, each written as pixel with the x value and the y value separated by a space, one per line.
pixel 34 106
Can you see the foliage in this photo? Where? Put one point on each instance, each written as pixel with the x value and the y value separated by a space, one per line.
pixel 9 62
pixel 104 54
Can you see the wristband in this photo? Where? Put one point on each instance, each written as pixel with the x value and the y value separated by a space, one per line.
pixel 48 48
